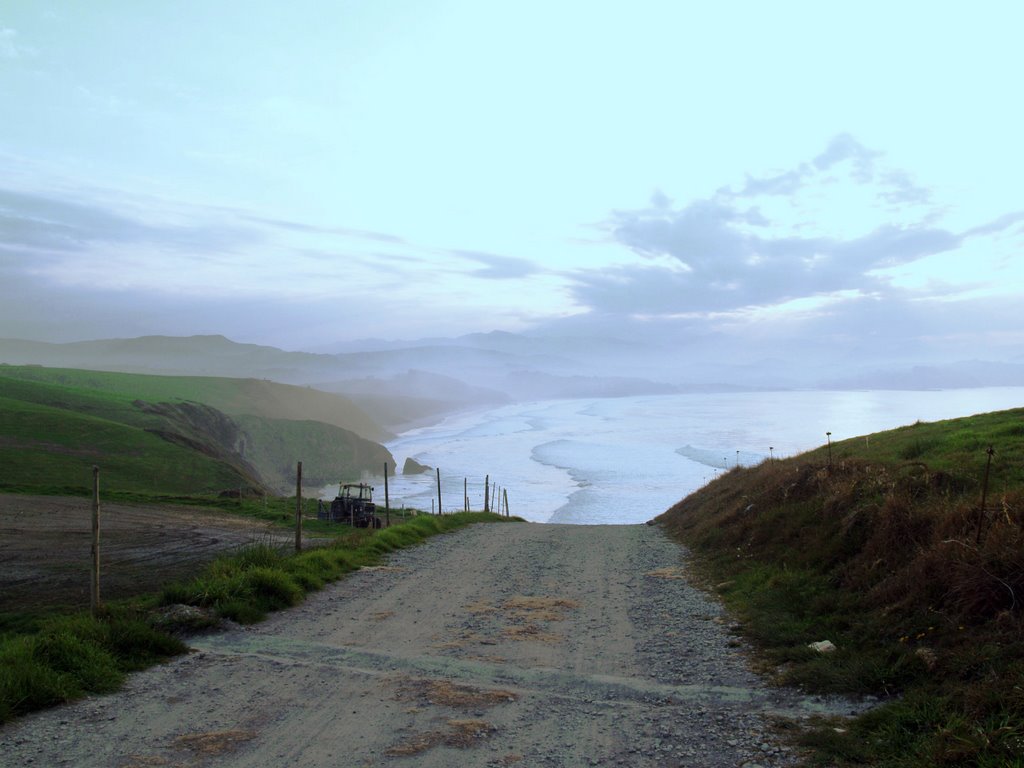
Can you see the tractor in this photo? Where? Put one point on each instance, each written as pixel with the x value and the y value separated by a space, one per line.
pixel 353 505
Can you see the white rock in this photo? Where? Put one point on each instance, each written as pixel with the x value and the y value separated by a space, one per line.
pixel 822 646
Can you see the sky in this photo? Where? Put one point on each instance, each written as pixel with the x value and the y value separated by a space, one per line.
pixel 307 173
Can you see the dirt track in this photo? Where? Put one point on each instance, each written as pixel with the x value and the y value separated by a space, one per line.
pixel 45 545
pixel 499 645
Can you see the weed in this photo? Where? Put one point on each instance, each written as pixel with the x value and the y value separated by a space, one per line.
pixel 272 588
pixel 892 560
pixel 47 661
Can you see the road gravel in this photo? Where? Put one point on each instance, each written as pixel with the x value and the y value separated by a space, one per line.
pixel 497 645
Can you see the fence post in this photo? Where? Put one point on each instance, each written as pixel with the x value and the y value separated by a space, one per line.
pixel 94 581
pixel 505 492
pixel 298 508
pixel 387 500
pixel 439 507
pixel 984 495
pixel 465 494
pixel 487 493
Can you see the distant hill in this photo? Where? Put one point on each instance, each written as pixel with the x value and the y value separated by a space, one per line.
pixel 959 375
pixel 413 397
pixel 481 369
pixel 157 435
pixel 173 355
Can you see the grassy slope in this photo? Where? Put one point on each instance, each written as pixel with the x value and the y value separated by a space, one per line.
pixel 881 554
pixel 233 396
pixel 56 424
pixel 329 455
pixel 49 446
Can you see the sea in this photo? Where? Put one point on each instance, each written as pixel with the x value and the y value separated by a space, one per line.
pixel 626 460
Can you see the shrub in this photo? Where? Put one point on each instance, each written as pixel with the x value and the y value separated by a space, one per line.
pixel 272 588
pixel 89 666
pixel 137 644
pixel 27 684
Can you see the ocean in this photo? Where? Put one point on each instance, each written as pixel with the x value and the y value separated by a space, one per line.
pixel 627 460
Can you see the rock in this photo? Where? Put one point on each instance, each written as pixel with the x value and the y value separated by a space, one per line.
pixel 413 467
pixel 928 656
pixel 822 646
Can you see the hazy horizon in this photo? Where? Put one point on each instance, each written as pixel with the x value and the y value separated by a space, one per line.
pixel 836 189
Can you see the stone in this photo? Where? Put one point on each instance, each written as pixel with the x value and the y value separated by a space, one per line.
pixel 822 646
pixel 413 467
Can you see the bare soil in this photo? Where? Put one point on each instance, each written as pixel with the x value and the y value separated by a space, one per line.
pixel 46 542
pixel 498 645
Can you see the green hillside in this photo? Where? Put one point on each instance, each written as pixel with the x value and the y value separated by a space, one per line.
pixel 52 447
pixel 255 397
pixel 149 436
pixel 329 455
pixel 884 550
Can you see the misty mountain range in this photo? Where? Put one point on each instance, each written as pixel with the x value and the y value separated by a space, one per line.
pixel 401 383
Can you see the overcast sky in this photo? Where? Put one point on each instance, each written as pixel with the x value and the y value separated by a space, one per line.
pixel 314 171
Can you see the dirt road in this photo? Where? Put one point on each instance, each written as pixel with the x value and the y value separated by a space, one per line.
pixel 45 544
pixel 499 645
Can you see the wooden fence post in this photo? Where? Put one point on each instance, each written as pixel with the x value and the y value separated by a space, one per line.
pixel 487 493
pixel 298 508
pixel 984 496
pixel 94 581
pixel 465 494
pixel 387 500
pixel 505 491
pixel 439 507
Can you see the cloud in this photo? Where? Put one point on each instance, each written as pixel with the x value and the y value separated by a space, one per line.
pixel 900 188
pixel 295 226
pixel 498 267
pixel 844 147
pixel 121 262
pixel 50 223
pixel 724 254
pixel 724 266
pixel 783 184
pixel 10 48
pixel 997 225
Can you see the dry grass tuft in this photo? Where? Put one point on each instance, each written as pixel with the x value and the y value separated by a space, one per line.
pixel 214 742
pixel 523 614
pixel 144 761
pixel 448 694
pixel 465 733
pixel 531 608
pixel 460 734
pixel 676 572
pixel 530 632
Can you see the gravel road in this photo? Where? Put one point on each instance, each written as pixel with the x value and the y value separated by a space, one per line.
pixel 498 645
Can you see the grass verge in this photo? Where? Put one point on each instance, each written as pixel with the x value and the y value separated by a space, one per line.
pixel 53 660
pixel 893 561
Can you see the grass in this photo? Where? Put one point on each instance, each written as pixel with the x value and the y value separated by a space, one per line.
pixel 69 656
pixel 48 444
pixel 163 434
pixel 886 554
pixel 258 397
pixel 49 660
